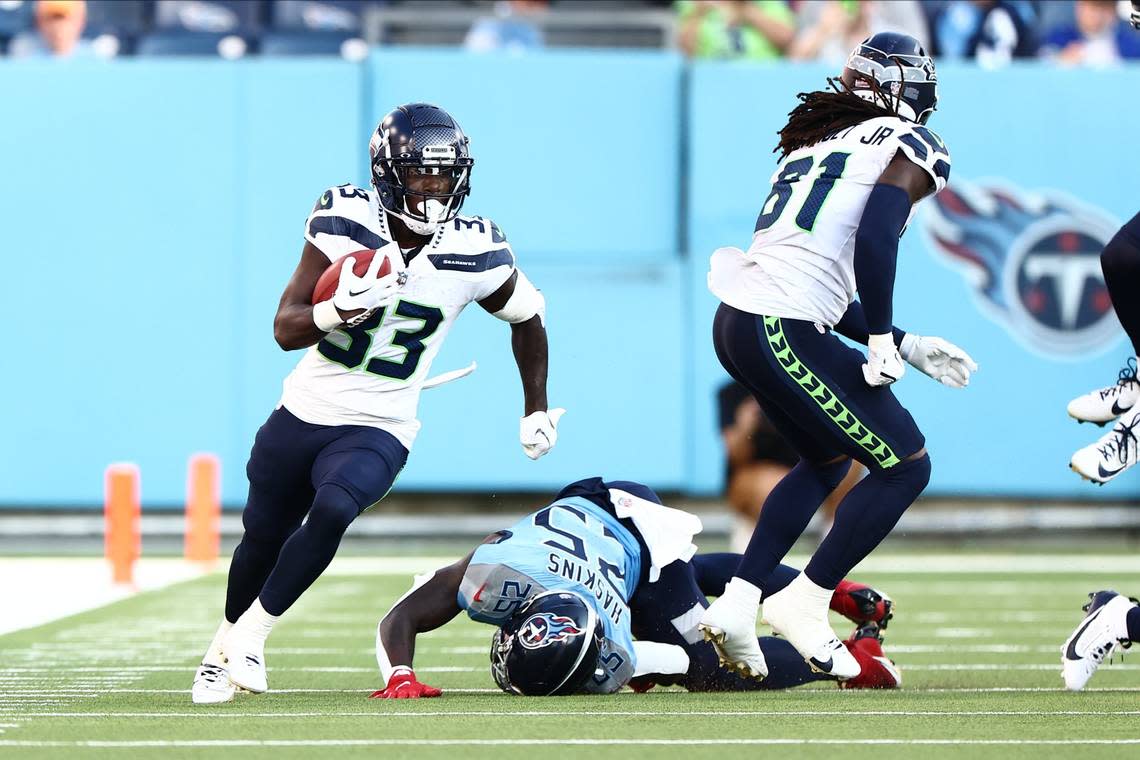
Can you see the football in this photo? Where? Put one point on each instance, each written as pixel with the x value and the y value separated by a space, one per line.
pixel 327 283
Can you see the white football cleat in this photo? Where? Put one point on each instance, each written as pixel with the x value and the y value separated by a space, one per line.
pixel 798 612
pixel 245 661
pixel 212 685
pixel 1115 452
pixel 1106 404
pixel 729 624
pixel 1096 638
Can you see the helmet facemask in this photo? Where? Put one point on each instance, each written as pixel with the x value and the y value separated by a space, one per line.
pixel 423 210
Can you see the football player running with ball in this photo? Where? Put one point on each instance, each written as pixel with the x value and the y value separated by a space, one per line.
pixel 854 162
pixel 347 418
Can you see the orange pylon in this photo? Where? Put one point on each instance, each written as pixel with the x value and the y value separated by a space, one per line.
pixel 203 508
pixel 122 542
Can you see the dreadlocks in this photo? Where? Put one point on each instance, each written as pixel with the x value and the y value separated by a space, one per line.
pixel 821 113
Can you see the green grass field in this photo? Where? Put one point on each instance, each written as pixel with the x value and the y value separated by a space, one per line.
pixel 978 651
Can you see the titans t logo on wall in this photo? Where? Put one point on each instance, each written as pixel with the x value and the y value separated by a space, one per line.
pixel 1034 259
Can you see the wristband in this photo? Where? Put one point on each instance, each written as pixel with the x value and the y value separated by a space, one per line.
pixel 326 317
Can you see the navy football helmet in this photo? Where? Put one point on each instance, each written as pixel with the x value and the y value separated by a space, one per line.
pixel 419 139
pixel 549 647
pixel 893 70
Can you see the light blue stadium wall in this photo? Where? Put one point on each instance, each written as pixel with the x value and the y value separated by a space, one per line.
pixel 153 212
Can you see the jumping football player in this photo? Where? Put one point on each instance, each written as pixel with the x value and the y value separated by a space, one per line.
pixel 1118 449
pixel 571 586
pixel 854 162
pixel 1111 621
pixel 347 418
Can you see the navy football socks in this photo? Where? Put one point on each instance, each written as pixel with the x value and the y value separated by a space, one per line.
pixel 864 518
pixel 787 511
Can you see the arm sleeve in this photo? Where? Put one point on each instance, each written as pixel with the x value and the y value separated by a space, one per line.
pixel 876 250
pixel 853 325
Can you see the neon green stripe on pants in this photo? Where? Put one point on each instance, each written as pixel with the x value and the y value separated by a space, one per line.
pixel 824 396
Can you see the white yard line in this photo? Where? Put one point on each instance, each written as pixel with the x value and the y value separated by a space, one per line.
pixel 164 743
pixel 213 715
pixel 464 669
pixel 943 564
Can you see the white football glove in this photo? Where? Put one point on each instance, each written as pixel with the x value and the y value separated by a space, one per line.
pixel 939 359
pixel 884 365
pixel 368 292
pixel 538 432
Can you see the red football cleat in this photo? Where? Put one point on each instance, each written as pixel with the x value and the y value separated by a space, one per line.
pixel 642 684
pixel 862 604
pixel 878 672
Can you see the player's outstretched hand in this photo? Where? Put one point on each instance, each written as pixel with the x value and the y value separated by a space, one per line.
pixel 403 685
pixel 368 292
pixel 884 365
pixel 538 432
pixel 939 359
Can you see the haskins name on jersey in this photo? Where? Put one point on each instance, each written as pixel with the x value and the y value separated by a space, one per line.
pixel 800 263
pixel 372 374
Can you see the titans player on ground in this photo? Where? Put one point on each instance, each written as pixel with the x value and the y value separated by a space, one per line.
pixel 854 162
pixel 600 589
pixel 347 417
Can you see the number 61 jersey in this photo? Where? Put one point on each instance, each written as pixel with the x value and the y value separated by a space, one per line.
pixel 372 374
pixel 800 264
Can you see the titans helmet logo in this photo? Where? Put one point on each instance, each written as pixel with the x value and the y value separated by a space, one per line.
pixel 545 628
pixel 1034 259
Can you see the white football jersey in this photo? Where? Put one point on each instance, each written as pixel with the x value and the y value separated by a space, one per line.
pixel 800 264
pixel 372 374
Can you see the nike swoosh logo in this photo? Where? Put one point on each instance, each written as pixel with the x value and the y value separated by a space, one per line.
pixel 479 594
pixel 1071 649
pixel 823 667
pixel 352 292
pixel 1109 473
pixel 1117 410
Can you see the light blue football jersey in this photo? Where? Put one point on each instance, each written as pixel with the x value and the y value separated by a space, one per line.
pixel 571 545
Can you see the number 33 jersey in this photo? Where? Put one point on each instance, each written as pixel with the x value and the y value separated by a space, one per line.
pixel 372 374
pixel 800 263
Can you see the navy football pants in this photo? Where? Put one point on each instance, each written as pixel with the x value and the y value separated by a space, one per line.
pixel 328 473
pixel 810 385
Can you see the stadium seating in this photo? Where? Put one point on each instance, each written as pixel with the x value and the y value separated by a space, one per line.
pixel 319 15
pixel 179 43
pixel 301 43
pixel 15 17
pixel 209 15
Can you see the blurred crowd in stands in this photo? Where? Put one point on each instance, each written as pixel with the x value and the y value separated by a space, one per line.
pixel 991 32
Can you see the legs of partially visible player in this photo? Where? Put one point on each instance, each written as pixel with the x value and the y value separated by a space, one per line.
pixel 856 601
pixel 1119 449
pixel 1111 621
pixel 667 611
pixel 811 387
